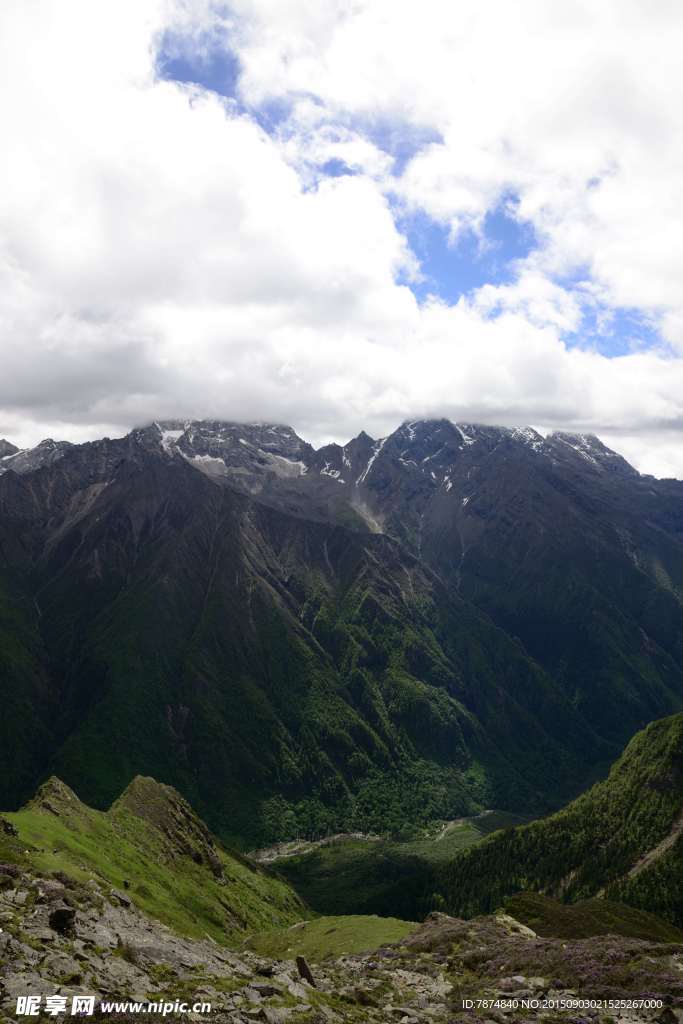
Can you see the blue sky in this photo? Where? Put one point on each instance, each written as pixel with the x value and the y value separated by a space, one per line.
pixel 213 65
pixel 454 268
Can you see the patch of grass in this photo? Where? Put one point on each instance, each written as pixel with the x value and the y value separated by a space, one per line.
pixel 331 936
pixel 587 918
pixel 12 849
pixel 455 836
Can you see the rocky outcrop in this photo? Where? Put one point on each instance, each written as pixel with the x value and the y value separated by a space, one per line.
pixel 110 950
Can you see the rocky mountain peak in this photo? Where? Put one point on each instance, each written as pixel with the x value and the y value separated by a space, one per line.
pixel 592 451
pixel 222 448
pixel 7 448
pixel 56 797
pixel 26 460
pixel 185 834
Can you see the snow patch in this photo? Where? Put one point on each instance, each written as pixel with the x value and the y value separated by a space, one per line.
pixel 466 439
pixel 378 448
pixel 168 438
pixel 334 473
pixel 6 458
pixel 206 459
pixel 581 443
pixel 283 466
pixel 529 437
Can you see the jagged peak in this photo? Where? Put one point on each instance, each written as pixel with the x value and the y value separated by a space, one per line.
pixel 155 802
pixel 163 807
pixel 364 436
pixel 7 448
pixel 55 796
pixel 145 794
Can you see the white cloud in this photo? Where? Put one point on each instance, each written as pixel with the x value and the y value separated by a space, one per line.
pixel 535 297
pixel 160 254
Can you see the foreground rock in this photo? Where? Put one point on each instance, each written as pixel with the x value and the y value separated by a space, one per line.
pixel 64 938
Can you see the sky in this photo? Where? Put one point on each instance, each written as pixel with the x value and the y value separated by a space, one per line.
pixel 344 214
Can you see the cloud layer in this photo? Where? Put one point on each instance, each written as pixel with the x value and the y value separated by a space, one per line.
pixel 165 250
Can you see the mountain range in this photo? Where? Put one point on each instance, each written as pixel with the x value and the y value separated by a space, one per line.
pixel 450 618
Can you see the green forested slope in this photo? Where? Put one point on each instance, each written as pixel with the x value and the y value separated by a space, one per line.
pixel 591 846
pixel 288 676
pixel 460 618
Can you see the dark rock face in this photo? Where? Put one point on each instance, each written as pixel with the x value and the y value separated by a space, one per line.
pixel 457 615
pixel 7 448
pixel 304 970
pixel 62 920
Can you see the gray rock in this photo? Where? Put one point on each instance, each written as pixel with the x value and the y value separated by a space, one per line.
pixel 276 1014
pixel 50 890
pixel 252 994
pixel 122 899
pixel 265 990
pixel 61 965
pixel 296 989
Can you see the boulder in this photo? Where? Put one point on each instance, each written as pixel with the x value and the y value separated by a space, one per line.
pixel 304 970
pixel 62 920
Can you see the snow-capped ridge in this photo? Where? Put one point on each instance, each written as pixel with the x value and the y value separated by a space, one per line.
pixel 26 460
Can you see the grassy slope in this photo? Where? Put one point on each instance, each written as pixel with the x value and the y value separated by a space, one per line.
pixel 591 844
pixel 164 880
pixel 581 920
pixel 331 936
